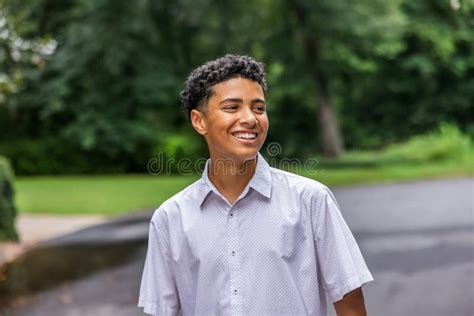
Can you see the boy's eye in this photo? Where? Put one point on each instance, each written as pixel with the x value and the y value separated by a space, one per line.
pixel 260 108
pixel 231 107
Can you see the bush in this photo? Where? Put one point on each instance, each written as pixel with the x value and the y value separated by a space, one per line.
pixel 174 148
pixel 447 143
pixel 7 207
pixel 56 156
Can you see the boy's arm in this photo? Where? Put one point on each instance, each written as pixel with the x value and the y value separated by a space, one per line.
pixel 340 262
pixel 158 291
pixel 352 304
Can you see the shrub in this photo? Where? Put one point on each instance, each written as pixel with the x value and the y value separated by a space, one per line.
pixel 447 143
pixel 56 156
pixel 175 148
pixel 7 207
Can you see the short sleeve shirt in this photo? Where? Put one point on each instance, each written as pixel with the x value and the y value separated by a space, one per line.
pixel 280 249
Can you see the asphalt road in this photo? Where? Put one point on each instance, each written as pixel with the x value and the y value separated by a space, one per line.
pixel 417 239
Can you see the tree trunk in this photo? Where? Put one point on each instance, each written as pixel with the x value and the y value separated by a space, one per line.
pixel 331 137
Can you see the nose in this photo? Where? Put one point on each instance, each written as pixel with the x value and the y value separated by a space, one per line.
pixel 248 118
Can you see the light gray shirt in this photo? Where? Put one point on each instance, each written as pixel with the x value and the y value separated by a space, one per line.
pixel 279 249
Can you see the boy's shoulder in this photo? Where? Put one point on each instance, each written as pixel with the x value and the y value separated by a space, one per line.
pixel 296 183
pixel 190 194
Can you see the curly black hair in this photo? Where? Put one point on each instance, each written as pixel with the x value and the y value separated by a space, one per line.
pixel 199 84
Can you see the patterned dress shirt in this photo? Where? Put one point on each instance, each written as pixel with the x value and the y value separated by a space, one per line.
pixel 278 250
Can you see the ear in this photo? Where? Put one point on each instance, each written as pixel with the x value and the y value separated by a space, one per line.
pixel 198 120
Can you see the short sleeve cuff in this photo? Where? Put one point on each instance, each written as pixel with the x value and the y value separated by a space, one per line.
pixel 153 308
pixel 337 293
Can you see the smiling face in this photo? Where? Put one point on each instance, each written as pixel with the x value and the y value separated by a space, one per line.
pixel 235 121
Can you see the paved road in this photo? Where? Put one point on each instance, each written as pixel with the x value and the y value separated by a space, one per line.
pixel 417 238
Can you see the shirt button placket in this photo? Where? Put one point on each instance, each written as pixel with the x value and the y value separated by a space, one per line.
pixel 234 264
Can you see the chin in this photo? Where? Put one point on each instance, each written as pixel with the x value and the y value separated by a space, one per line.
pixel 247 154
pixel 236 154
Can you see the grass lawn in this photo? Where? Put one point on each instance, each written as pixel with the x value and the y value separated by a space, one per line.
pixel 110 195
pixel 393 173
pixel 107 195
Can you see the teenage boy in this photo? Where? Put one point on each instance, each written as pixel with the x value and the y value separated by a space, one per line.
pixel 247 239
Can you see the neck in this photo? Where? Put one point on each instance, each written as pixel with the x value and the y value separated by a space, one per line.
pixel 231 177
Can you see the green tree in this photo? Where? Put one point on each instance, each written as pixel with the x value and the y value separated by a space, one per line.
pixel 336 39
pixel 17 53
pixel 109 96
pixel 111 88
pixel 430 80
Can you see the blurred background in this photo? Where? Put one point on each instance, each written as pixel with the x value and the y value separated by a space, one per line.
pixel 381 93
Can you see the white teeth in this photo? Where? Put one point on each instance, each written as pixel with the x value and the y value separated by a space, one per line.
pixel 245 135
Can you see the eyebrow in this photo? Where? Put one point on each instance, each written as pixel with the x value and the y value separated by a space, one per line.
pixel 238 100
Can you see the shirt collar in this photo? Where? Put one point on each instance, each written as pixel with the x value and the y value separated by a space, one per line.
pixel 261 181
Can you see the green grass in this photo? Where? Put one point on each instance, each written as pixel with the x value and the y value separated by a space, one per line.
pixel 392 173
pixel 106 195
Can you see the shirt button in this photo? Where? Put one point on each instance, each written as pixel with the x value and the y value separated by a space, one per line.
pixel 233 253
pixel 231 214
pixel 235 291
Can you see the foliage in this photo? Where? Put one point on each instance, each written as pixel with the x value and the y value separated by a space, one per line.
pixel 56 156
pixel 17 53
pixel 446 144
pixel 7 207
pixel 429 81
pixel 107 100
